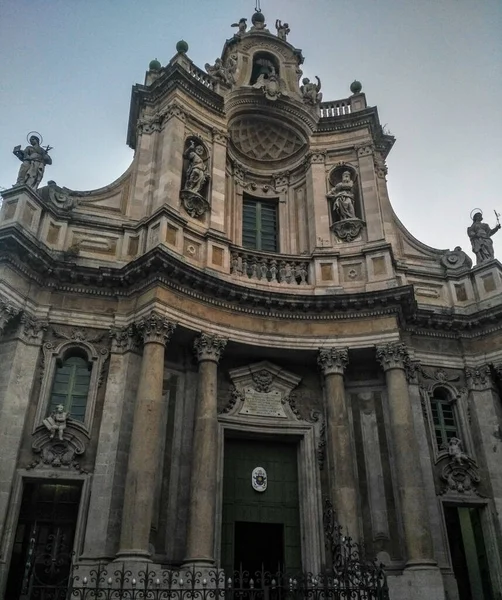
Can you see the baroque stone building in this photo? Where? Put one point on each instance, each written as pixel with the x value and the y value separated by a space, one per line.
pixel 197 356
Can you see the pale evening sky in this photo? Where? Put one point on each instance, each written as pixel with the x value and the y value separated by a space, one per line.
pixel 432 67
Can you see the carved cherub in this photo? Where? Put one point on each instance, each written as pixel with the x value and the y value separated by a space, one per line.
pixel 57 422
pixel 242 26
pixel 282 29
pixel 455 451
pixel 311 92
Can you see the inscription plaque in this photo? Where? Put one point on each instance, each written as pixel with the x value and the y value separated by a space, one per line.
pixel 263 404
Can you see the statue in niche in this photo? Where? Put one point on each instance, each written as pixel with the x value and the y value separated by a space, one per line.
pixel 221 72
pixel 34 159
pixel 346 224
pixel 273 87
pixel 282 29
pixel 480 236
pixel 196 176
pixel 57 422
pixel 241 25
pixel 343 198
pixel 311 92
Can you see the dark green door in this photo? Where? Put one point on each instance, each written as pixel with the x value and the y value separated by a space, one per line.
pixel 260 528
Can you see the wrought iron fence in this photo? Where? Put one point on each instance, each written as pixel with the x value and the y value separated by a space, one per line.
pixel 53 575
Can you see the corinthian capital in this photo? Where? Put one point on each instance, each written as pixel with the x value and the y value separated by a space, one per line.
pixel 209 347
pixel 123 339
pixel 393 356
pixel 7 312
pixel 478 378
pixel 155 329
pixel 333 360
pixel 32 330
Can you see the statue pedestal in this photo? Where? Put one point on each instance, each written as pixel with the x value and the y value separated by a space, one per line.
pixel 348 230
pixel 195 204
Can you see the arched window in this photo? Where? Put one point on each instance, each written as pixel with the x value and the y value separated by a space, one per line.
pixel 71 385
pixel 443 417
pixel 264 65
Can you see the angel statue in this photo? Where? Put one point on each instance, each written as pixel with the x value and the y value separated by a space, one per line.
pixel 311 92
pixel 196 173
pixel 282 29
pixel 34 158
pixel 241 25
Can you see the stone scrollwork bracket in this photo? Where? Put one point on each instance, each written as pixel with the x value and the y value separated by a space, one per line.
pixel 60 451
pixel 195 204
pixel 348 229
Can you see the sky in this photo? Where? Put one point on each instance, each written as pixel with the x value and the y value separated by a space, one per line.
pixel 432 67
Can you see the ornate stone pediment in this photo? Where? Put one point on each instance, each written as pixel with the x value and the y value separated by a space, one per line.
pixel 262 390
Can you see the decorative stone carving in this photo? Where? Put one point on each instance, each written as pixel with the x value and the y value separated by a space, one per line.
pixel 32 330
pixel 459 472
pixel 224 73
pixel 393 356
pixel 380 165
pixel 271 84
pixel 259 479
pixel 194 191
pixel 478 378
pixel 480 235
pixel 56 422
pixel 61 450
pixel 439 375
pixel 123 339
pixel 264 139
pixel 241 26
pixel 263 390
pixel 34 158
pixel 456 260
pixel 317 158
pixel 77 335
pixel 235 397
pixel 209 347
pixel 60 197
pixel 333 360
pixel 155 328
pixel 311 92
pixel 346 225
pixel 282 29
pixel 7 312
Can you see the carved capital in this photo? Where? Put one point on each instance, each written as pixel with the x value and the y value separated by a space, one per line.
pixel 365 150
pixel 333 360
pixel 219 137
pixel 173 110
pixel 32 330
pixel 498 371
pixel 123 339
pixel 317 158
pixel 413 369
pixel 393 356
pixel 7 312
pixel 478 378
pixel 155 329
pixel 209 347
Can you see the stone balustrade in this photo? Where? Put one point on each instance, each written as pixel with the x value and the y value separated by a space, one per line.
pixel 336 108
pixel 271 268
pixel 201 76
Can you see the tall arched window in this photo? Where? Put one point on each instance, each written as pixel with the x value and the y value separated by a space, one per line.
pixel 71 385
pixel 443 417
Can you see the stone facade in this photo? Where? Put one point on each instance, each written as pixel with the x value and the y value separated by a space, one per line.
pixel 343 342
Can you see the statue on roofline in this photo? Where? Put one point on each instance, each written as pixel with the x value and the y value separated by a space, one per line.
pixel 480 235
pixel 34 158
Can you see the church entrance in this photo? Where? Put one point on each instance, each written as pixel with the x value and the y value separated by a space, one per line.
pixel 42 553
pixel 468 552
pixel 260 527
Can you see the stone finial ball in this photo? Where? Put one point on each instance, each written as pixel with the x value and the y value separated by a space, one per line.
pixel 154 65
pixel 356 87
pixel 258 17
pixel 182 47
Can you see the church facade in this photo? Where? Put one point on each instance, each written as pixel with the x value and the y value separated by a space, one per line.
pixel 236 341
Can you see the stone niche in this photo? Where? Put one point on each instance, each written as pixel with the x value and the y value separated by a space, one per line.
pixel 262 391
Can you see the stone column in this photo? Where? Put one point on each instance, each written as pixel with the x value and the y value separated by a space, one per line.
pixel 201 512
pixel 342 468
pixel 409 480
pixel 145 441
pixel 19 357
pixel 108 481
pixel 486 416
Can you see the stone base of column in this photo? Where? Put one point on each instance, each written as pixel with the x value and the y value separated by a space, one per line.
pixel 417 583
pixel 133 556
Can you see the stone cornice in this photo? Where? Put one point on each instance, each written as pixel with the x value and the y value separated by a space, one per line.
pixel 209 347
pixel 174 76
pixel 333 360
pixel 159 266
